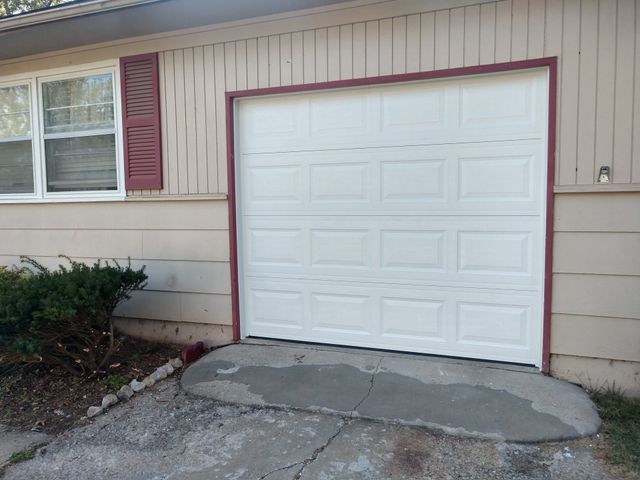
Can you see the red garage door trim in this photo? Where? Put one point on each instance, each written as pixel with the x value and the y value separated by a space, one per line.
pixel 549 62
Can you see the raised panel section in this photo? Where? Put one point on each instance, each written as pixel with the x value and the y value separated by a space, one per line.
pixel 268 118
pixel 494 252
pixel 277 183
pixel 275 247
pixel 338 113
pixel 409 318
pixel 415 107
pixel 339 182
pixel 276 308
pixel 490 103
pixel 340 313
pixel 497 178
pixel 414 180
pixel 492 324
pixel 340 248
pixel 412 250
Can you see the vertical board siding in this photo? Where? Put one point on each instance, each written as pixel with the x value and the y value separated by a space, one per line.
pixel 456 38
pixel 625 54
pixel 399 45
pixel 597 42
pixel 190 123
pixel 201 121
pixel 587 84
pixel 285 59
pixel 359 51
pixel 309 56
pixel 333 54
pixel 274 62
pixel 321 55
pixel 385 49
pixel 606 84
pixel 568 117
pixel 413 43
pixel 472 35
pixel 346 52
pixel 427 41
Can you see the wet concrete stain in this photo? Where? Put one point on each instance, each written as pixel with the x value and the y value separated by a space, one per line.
pixel 344 388
pixel 334 387
pixel 472 408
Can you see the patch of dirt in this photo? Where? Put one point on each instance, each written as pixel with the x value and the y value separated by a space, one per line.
pixel 52 400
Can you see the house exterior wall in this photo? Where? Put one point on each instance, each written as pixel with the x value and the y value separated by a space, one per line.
pixel 597 276
pixel 184 245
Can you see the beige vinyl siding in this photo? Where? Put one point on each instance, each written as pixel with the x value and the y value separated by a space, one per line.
pixel 184 245
pixel 596 289
pixel 595 41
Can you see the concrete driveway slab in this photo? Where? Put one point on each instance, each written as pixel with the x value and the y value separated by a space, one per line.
pixel 460 398
pixel 166 434
pixel 14 441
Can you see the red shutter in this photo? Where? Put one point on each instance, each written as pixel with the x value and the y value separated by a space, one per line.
pixel 141 121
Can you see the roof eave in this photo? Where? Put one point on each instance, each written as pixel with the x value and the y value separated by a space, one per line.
pixel 66 11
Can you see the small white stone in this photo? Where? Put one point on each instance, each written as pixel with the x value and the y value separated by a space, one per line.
pixel 125 392
pixel 176 362
pixel 109 400
pixel 94 411
pixel 137 386
pixel 159 374
pixel 149 381
pixel 169 369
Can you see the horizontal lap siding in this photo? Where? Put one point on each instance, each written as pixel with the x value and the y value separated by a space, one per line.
pixel 596 306
pixel 598 118
pixel 183 244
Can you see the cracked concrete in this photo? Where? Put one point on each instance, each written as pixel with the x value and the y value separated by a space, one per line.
pixel 14 441
pixel 457 398
pixel 166 434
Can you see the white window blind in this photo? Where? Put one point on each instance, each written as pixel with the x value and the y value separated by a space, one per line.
pixel 16 152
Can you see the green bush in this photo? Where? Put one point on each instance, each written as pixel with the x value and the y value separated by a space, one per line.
pixel 63 317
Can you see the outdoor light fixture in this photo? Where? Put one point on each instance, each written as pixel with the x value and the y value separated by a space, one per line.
pixel 604 175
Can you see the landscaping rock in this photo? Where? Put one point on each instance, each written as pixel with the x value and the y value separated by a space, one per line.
pixel 94 411
pixel 148 381
pixel 169 369
pixel 125 393
pixel 175 362
pixel 109 400
pixel 137 386
pixel 159 374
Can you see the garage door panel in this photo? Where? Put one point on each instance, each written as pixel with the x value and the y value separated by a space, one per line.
pixel 447 321
pixel 437 112
pixel 392 249
pixel 405 217
pixel 497 178
pixel 516 105
pixel 456 179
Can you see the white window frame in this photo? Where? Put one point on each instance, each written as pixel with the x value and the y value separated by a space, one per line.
pixel 36 108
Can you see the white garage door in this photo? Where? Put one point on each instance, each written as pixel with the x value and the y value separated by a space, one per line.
pixel 406 217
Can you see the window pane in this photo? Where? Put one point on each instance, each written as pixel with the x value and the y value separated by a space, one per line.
pixel 16 167
pixel 81 163
pixel 14 112
pixel 78 104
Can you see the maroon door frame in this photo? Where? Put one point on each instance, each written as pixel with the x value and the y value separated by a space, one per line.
pixel 550 62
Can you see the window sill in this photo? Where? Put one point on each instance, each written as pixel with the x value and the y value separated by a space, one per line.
pixel 63 199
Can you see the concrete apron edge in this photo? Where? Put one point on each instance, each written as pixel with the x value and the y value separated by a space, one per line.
pixel 214 388
pixel 355 415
